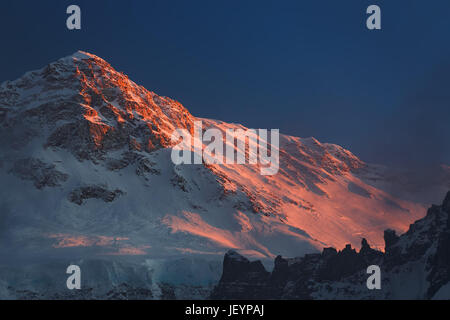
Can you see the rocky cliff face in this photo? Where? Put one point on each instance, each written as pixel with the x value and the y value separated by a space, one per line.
pixel 415 265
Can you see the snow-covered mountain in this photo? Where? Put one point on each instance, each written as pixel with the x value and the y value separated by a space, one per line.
pixel 86 173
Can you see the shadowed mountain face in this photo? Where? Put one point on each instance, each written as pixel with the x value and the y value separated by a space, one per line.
pixel 415 265
pixel 86 171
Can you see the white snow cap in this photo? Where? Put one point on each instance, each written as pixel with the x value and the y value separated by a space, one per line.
pixel 83 55
pixel 79 55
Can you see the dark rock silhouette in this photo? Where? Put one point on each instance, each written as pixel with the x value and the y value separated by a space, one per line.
pixel 415 265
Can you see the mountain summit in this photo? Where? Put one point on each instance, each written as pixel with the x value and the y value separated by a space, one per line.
pixel 85 164
pixel 102 109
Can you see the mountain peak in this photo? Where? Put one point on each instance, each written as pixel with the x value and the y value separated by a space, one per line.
pixel 81 55
pixel 84 55
pixel 90 108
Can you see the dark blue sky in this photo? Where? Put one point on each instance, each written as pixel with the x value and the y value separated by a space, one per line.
pixel 308 67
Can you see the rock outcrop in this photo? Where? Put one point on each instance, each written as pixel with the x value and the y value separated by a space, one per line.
pixel 414 265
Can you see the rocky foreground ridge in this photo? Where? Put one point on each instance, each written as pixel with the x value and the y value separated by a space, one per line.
pixel 415 265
